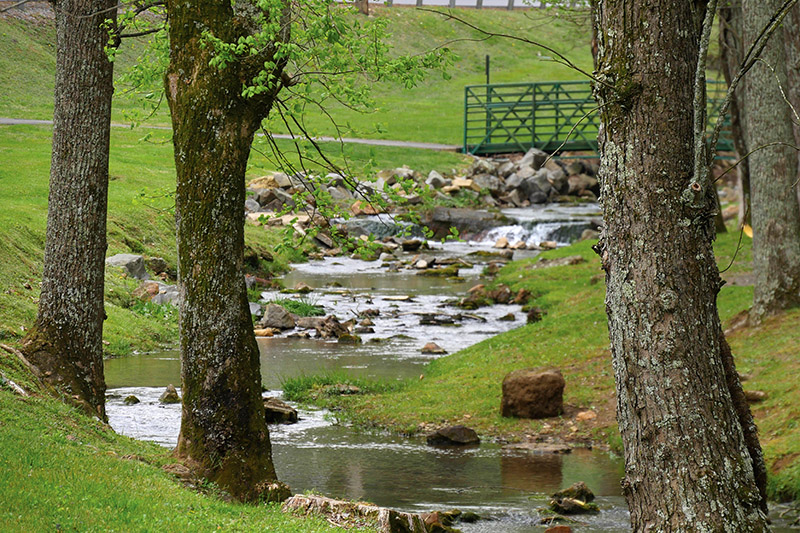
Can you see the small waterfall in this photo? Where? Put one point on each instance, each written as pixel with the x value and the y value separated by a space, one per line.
pixel 533 233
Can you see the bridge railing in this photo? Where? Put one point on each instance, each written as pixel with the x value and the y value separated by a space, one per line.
pixel 552 116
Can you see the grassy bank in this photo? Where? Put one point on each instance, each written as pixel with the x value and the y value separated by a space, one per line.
pixel 64 472
pixel 465 388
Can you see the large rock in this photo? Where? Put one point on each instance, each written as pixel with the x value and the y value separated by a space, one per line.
pixel 487 181
pixel 337 511
pixel 170 395
pixel 533 393
pixel 533 158
pixel 276 317
pixel 278 412
pixel 131 263
pixel 453 436
pixel 436 180
pixel 576 491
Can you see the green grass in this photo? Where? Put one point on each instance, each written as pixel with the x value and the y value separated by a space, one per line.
pixel 315 387
pixel 301 307
pixel 62 471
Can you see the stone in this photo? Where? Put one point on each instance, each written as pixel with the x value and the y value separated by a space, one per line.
pixel 754 396
pixel 453 436
pixel 590 235
pixel 539 448
pixel 276 317
pixel 505 169
pixel 578 183
pixel 302 288
pixel 156 264
pixel 436 180
pixel 170 395
pixel 340 193
pixel 481 166
pixel 264 332
pixel 324 239
pixel 132 264
pixel 533 393
pixel 256 309
pixel 535 315
pixel 576 491
pixel 583 416
pixel 411 245
pixel 279 412
pixel 558 529
pixel 507 318
pixel 251 206
pixel 348 338
pixel 131 400
pixel 337 511
pixel 534 158
pixel 568 506
pixel 433 348
pixel 501 243
pixel 519 245
pixel 463 183
pixel 487 181
pixel 360 208
pixel 264 182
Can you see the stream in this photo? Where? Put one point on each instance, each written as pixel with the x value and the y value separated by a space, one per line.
pixel 504 487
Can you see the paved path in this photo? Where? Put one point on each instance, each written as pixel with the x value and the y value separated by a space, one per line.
pixel 347 140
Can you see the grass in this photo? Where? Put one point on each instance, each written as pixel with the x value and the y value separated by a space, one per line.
pixel 64 472
pixel 464 388
pixel 301 307
pixel 314 387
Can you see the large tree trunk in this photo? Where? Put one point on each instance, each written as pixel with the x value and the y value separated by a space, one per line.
pixel 773 167
pixel 791 35
pixel 223 429
pixel 731 54
pixel 65 344
pixel 687 463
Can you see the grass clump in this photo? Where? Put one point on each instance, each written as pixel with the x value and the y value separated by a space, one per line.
pixel 301 307
pixel 318 387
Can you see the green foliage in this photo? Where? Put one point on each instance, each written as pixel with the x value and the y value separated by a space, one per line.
pixel 165 312
pixel 300 307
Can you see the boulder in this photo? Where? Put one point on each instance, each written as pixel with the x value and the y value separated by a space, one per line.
pixel 156 264
pixel 488 181
pixel 505 169
pixel 131 400
pixel 340 193
pixel 481 166
pixel 533 393
pixel 170 395
pixel 276 317
pixel 278 412
pixel 433 348
pixel 534 158
pixel 502 242
pixel 131 263
pixel 453 436
pixel 336 511
pixel 576 491
pixel 251 206
pixel 436 180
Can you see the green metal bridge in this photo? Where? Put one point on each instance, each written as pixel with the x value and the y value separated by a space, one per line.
pixel 551 116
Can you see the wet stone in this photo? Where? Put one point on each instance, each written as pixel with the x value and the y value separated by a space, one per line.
pixel 131 400
pixel 453 436
pixel 170 395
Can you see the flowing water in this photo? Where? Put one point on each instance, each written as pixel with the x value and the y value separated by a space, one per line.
pixel 505 487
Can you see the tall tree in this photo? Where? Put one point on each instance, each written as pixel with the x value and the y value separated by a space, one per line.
pixel 688 465
pixel 792 40
pixel 223 429
pixel 773 167
pixel 65 344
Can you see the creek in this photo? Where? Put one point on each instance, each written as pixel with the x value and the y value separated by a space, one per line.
pixel 504 487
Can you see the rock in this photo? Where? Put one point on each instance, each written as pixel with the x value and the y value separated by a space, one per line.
pixel 522 297
pixel 436 180
pixel 507 318
pixel 578 183
pixel 440 521
pixel 533 393
pixel 505 169
pixel 535 315
pixel 754 396
pixel 548 245
pixel 302 288
pixel 340 193
pixel 273 491
pixel 170 395
pixel 576 491
pixel 487 181
pixel 558 180
pixel 448 271
pixel 347 338
pixel 278 412
pixel 411 245
pixel 501 294
pixel 167 294
pixel 501 243
pixel 433 348
pixel 131 400
pixel 558 529
pixel 519 245
pixel 453 436
pixel 276 317
pixel 590 235
pixel 533 158
pixel 264 332
pixel 255 309
pixel 464 183
pixel 337 511
pixel 251 206
pixel 271 181
pixel 131 263
pixel 481 166
pixel 156 265
pixel 583 416
pixel 360 208
pixel 324 239
pixel 568 506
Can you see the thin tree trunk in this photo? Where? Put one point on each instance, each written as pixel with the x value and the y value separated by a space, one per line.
pixel 65 344
pixel 687 463
pixel 773 166
pixel 730 46
pixel 223 429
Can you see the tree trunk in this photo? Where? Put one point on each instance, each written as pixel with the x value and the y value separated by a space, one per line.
pixel 363 6
pixel 791 34
pixel 731 54
pixel 687 463
pixel 776 213
pixel 65 344
pixel 223 429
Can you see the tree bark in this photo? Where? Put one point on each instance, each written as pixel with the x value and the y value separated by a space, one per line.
pixel 731 54
pixel 223 429
pixel 65 343
pixel 791 34
pixel 773 166
pixel 687 463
